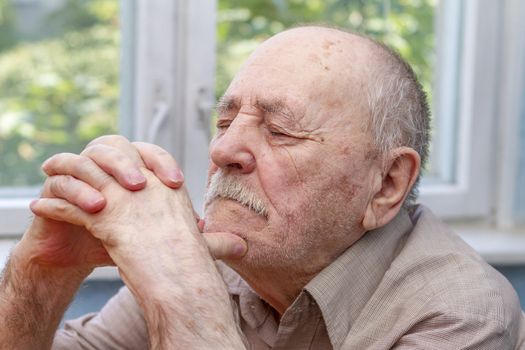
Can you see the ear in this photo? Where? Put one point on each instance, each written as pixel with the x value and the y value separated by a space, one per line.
pixel 391 189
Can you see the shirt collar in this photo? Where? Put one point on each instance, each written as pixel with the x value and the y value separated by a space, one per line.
pixel 342 289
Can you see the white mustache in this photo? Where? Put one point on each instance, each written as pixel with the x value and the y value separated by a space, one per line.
pixel 228 186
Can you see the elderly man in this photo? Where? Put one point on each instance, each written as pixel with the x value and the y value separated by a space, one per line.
pixel 319 144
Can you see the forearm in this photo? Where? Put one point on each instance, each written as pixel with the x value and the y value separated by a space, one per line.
pixel 173 324
pixel 185 304
pixel 33 299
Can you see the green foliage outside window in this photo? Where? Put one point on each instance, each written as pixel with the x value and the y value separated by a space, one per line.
pixel 60 91
pixel 60 88
pixel 405 25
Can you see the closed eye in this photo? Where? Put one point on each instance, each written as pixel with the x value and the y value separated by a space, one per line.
pixel 223 124
pixel 277 133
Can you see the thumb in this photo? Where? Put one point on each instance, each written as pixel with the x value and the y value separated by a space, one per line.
pixel 223 245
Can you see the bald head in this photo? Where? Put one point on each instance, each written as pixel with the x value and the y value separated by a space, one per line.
pixel 329 66
pixel 362 76
pixel 364 80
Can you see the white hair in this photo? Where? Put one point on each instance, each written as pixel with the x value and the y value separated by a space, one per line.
pixel 398 107
pixel 227 185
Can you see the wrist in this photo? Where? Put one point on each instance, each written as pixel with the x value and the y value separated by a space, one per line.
pixel 189 325
pixel 26 276
pixel 153 259
pixel 182 296
pixel 25 257
pixel 33 299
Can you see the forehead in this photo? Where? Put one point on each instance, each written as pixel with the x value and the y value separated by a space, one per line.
pixel 308 69
pixel 285 105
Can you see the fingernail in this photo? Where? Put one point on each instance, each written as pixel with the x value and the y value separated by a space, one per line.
pixel 44 165
pixel 240 249
pixel 177 177
pixel 96 201
pixel 136 178
pixel 33 202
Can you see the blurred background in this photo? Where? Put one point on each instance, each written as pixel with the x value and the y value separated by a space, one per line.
pixel 152 70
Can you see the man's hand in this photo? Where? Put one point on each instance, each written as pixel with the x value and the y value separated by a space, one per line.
pixel 48 265
pixel 52 259
pixel 78 180
pixel 153 238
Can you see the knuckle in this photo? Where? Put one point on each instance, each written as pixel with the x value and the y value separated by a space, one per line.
pixel 152 149
pixel 61 208
pixel 139 144
pixel 159 150
pixel 108 140
pixel 119 157
pixel 50 163
pixel 83 193
pixel 104 181
pixel 59 184
pixel 162 153
pixel 82 164
pixel 105 154
pixel 54 187
pixel 50 160
pixel 222 249
pixel 92 149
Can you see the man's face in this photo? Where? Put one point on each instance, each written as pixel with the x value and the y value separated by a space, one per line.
pixel 293 151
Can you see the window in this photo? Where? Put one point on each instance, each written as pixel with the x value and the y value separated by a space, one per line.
pixel 166 51
pixel 484 94
pixel 59 88
pixel 171 95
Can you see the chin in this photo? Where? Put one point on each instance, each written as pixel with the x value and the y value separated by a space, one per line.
pixel 225 215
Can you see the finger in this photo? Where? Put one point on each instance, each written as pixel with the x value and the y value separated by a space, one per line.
pixel 224 245
pixel 83 168
pixel 76 192
pixel 118 142
pixel 199 221
pixel 161 163
pixel 60 210
pixel 200 224
pixel 125 169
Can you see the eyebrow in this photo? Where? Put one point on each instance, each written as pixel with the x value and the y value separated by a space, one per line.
pixel 227 104
pixel 274 106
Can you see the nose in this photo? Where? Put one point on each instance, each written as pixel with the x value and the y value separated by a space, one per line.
pixel 233 148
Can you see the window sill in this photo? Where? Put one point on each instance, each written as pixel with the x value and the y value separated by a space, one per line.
pixel 496 246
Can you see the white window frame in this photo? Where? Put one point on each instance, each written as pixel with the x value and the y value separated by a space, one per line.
pixel 167 91
pixel 509 113
pixel 174 82
pixel 167 80
pixel 481 188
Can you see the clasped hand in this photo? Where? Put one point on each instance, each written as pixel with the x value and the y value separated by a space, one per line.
pixel 124 204
pixel 127 196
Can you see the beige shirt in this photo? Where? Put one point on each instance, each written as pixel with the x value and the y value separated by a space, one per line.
pixel 412 284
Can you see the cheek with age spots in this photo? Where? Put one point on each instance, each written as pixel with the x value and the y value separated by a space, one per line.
pixel 348 186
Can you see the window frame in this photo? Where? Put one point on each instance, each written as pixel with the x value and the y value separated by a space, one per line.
pixel 166 95
pixel 470 195
pixel 510 114
pixel 174 83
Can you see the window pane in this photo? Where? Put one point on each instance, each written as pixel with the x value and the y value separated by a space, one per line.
pixel 59 69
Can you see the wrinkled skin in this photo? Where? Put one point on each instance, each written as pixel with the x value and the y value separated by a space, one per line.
pixel 296 136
